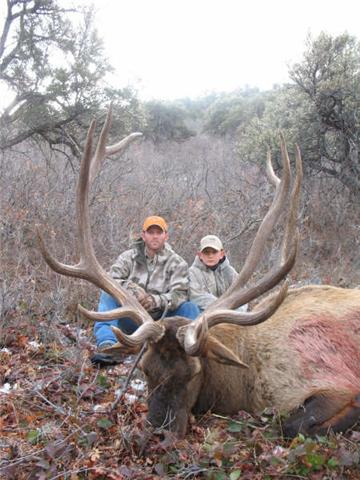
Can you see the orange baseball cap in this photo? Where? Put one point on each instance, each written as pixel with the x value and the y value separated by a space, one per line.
pixel 154 220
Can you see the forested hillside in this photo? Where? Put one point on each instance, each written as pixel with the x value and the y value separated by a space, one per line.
pixel 201 165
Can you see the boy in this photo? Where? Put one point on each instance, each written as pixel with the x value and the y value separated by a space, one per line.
pixel 211 273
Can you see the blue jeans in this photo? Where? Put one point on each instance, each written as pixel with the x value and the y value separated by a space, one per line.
pixel 103 332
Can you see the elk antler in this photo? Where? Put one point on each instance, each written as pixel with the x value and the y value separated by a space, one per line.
pixel 193 336
pixel 88 267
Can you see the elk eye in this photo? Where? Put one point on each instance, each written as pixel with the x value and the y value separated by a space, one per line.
pixel 145 371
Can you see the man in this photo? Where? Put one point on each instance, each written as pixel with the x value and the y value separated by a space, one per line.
pixel 211 273
pixel 155 275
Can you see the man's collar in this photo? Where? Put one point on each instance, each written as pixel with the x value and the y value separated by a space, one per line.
pixel 155 255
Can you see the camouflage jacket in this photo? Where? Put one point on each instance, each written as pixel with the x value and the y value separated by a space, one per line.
pixel 206 285
pixel 165 276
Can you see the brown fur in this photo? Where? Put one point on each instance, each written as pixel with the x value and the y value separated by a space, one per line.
pixel 310 348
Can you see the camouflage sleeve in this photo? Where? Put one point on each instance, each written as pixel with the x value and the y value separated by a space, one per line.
pixel 198 293
pixel 121 269
pixel 233 274
pixel 178 286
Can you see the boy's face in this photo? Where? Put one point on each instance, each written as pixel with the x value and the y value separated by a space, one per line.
pixel 211 257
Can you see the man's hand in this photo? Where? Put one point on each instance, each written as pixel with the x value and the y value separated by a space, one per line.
pixel 138 292
pixel 148 302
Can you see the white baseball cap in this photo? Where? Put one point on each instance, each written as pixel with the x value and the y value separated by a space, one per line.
pixel 211 241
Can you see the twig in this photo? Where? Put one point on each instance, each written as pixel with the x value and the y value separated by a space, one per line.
pixel 55 407
pixel 71 472
pixel 42 450
pixel 78 392
pixel 140 354
pixel 120 393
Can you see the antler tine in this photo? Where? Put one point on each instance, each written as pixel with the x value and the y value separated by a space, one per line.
pixel 103 151
pixel 269 221
pixel 76 270
pixel 269 281
pixel 291 229
pixel 221 310
pixel 120 312
pixel 295 196
pixel 262 235
pixel 88 267
pixel 147 332
pixel 193 336
pixel 274 179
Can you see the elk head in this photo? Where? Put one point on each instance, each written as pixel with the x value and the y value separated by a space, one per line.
pixel 180 352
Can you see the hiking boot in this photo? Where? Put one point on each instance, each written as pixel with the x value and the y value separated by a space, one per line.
pixel 101 359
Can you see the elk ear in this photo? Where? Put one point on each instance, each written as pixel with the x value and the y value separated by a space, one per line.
pixel 215 350
pixel 120 349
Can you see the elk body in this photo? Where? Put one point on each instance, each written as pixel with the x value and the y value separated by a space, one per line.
pixel 298 351
pixel 304 360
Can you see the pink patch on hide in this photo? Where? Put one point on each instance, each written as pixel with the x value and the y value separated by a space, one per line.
pixel 329 350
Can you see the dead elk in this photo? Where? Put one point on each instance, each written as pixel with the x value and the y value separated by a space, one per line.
pixel 298 352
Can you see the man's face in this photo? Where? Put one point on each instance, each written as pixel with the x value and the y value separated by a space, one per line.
pixel 210 256
pixel 154 238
